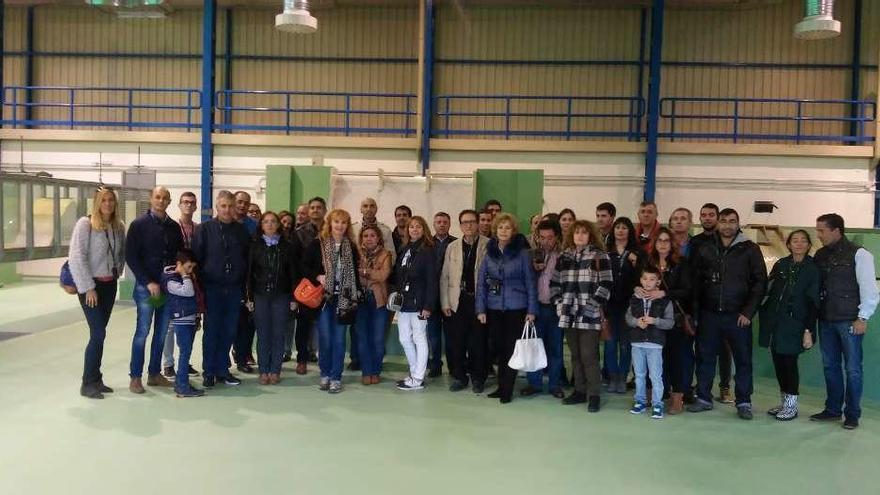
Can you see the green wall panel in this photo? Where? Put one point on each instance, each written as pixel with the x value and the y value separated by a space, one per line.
pixel 288 186
pixel 520 192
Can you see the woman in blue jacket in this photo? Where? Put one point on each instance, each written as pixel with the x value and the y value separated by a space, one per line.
pixel 507 295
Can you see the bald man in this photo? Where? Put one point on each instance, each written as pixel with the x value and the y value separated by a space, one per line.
pixel 369 209
pixel 151 244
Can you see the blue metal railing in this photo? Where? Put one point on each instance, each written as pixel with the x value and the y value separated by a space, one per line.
pixel 73 101
pixel 345 113
pixel 568 123
pixel 737 111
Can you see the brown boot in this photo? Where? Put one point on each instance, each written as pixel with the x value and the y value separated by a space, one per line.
pixel 135 386
pixel 158 380
pixel 366 380
pixel 676 403
pixel 274 378
pixel 264 379
pixel 301 368
pixel 374 380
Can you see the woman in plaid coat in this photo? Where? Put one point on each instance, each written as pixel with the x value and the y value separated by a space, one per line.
pixel 580 287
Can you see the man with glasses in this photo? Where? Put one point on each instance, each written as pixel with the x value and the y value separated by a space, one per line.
pixel 466 336
pixel 731 280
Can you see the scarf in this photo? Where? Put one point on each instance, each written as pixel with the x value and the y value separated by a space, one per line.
pixel 271 240
pixel 348 296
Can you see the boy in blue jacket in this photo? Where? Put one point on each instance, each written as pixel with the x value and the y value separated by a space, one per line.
pixel 182 309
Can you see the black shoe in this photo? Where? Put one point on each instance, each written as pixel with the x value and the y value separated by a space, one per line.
pixel 354 365
pixel 744 412
pixel 286 358
pixel 495 395
pixel 435 372
pixel 168 371
pixel 192 371
pixel 689 399
pixel 478 388
pixel 104 389
pixel 825 416
pixel 457 386
pixel 230 379
pixel 250 360
pixel 209 381
pixel 491 372
pixel 505 400
pixel 191 392
pixel 699 406
pixel 245 368
pixel 529 391
pixel 558 393
pixel 564 381
pixel 90 391
pixel 313 358
pixel 575 398
pixel 593 406
pixel 850 424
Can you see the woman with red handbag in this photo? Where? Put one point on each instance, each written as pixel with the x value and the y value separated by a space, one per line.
pixel 331 260
pixel 675 285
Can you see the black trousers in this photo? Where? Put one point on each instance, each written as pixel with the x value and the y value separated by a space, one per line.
pixel 305 321
pixel 243 347
pixel 787 375
pixel 467 339
pixel 506 327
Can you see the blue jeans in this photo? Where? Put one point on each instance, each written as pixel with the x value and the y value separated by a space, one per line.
pixel 331 343
pixel 435 341
pixel 371 323
pixel 836 342
pixel 147 315
pixel 714 329
pixel 648 361
pixel 97 318
pixel 547 326
pixel 270 316
pixel 617 350
pixel 186 333
pixel 223 305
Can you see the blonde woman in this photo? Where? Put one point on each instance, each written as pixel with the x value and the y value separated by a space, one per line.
pixel 97 257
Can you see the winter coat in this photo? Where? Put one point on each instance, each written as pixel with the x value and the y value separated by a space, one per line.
pixel 581 286
pixel 791 306
pixel 506 280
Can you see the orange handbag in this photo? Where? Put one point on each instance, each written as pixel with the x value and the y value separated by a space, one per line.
pixel 309 294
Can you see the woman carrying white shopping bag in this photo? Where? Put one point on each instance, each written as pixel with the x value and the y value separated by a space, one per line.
pixel 528 353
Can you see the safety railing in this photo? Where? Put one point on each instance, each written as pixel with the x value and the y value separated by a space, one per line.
pixel 317 112
pixel 564 117
pixel 768 119
pixel 77 107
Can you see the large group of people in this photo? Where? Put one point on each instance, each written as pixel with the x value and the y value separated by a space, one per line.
pixel 669 308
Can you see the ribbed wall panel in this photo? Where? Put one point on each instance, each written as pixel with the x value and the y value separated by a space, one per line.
pixel 870 32
pixel 14 27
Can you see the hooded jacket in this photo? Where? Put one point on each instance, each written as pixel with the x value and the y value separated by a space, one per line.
pixel 506 280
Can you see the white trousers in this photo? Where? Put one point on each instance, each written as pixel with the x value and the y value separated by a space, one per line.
pixel 414 338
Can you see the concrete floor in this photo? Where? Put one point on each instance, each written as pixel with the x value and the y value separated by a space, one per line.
pixel 293 438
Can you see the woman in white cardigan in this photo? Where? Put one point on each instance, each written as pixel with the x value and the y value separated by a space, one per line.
pixel 96 259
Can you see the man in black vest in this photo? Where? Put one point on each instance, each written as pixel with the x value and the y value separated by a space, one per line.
pixel 849 298
pixel 730 281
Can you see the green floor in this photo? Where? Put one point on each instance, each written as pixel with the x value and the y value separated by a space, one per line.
pixel 294 439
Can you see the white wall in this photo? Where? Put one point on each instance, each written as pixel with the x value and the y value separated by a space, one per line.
pixel 802 187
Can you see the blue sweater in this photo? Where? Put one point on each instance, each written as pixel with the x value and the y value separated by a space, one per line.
pixel 513 268
pixel 151 245
pixel 219 246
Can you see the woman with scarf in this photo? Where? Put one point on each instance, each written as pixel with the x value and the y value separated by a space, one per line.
pixel 416 284
pixel 272 275
pixel 372 318
pixel 331 260
pixel 626 260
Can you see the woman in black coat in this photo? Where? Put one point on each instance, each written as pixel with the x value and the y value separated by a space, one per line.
pixel 626 260
pixel 272 275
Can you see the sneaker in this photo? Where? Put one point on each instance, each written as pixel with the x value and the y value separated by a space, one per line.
pixel 529 391
pixel 744 411
pixel 168 371
pixel 657 411
pixel 335 387
pixel 158 380
pixel 192 371
pixel 325 384
pixel 245 368
pixel 457 386
pixel 725 397
pixel 410 384
pixel 478 387
pixel 699 405
pixel 825 416
pixel 230 380
pixel 638 408
pixel 191 392
pixel 850 424
pixel 209 381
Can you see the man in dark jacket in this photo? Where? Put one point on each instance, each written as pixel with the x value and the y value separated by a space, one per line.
pixel 437 321
pixel 849 298
pixel 151 244
pixel 731 279
pixel 221 247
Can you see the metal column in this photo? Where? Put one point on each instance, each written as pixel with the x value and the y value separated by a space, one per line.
pixel 227 71
pixel 654 99
pixel 209 25
pixel 856 70
pixel 29 67
pixel 427 87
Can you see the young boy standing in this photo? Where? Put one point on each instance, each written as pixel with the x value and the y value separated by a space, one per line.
pixel 182 309
pixel 649 318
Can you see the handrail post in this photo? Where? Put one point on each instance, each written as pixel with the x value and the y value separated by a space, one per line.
pixel 735 120
pixel 347 114
pixel 406 120
pixel 507 118
pixel 130 109
pixel 568 121
pixel 189 110
pixel 287 113
pixel 71 115
pixel 447 117
pixel 672 120
pixel 797 136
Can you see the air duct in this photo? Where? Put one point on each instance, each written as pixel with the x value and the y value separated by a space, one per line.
pixel 818 23
pixel 133 9
pixel 296 18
